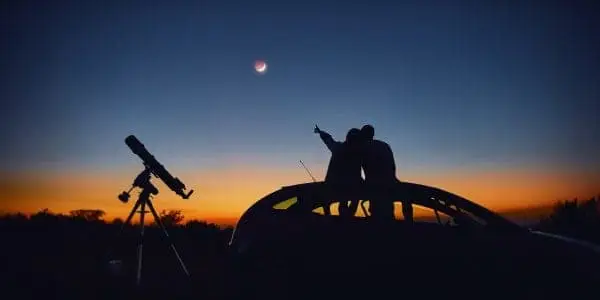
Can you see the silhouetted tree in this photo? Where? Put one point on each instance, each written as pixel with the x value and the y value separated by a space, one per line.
pixel 575 218
pixel 117 221
pixel 15 217
pixel 196 224
pixel 201 225
pixel 92 215
pixel 44 215
pixel 171 218
pixel 43 212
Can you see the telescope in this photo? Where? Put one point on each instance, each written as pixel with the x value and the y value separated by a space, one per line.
pixel 156 168
pixel 142 181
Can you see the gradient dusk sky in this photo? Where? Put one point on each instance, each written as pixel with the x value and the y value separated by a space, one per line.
pixel 498 102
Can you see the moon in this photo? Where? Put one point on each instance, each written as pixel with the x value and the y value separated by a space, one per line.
pixel 260 66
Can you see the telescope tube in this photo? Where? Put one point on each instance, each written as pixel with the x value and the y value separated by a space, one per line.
pixel 155 167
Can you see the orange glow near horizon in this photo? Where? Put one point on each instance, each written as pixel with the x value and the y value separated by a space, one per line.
pixel 221 196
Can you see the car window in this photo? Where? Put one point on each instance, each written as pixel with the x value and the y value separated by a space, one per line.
pixel 472 217
pixel 361 210
pixel 423 214
pixel 285 204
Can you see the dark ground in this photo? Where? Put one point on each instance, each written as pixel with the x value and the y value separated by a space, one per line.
pixel 62 258
pixel 50 256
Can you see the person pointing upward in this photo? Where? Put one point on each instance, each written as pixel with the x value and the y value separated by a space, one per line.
pixel 344 170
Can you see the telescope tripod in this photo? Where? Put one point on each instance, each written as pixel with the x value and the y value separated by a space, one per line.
pixel 144 199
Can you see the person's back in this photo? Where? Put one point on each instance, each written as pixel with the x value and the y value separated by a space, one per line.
pixel 378 162
pixel 380 175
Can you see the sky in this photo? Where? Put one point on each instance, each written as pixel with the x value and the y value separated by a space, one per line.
pixel 494 101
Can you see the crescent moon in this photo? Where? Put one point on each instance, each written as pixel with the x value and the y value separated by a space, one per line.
pixel 262 68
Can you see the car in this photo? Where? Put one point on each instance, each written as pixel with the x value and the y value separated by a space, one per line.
pixel 292 244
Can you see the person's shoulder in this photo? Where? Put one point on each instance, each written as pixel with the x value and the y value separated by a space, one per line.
pixel 337 145
pixel 382 146
pixel 380 143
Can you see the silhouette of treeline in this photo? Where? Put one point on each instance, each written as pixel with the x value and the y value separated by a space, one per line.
pixel 574 218
pixel 170 218
pixel 569 217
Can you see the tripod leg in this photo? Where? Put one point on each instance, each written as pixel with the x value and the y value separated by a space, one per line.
pixel 117 237
pixel 135 207
pixel 141 242
pixel 162 226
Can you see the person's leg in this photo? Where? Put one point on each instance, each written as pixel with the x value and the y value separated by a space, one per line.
pixel 381 204
pixel 352 207
pixel 327 209
pixel 377 208
pixel 407 210
pixel 387 202
pixel 387 208
pixel 343 208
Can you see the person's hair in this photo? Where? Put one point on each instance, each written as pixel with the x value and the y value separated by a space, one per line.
pixel 368 131
pixel 352 135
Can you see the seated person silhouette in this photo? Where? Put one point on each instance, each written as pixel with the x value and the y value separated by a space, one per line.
pixel 380 175
pixel 343 172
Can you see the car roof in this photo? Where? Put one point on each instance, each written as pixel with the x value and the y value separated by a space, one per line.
pixel 316 194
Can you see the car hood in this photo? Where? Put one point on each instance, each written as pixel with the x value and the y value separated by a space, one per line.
pixel 572 241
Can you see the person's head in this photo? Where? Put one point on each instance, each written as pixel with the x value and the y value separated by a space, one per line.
pixel 353 135
pixel 367 132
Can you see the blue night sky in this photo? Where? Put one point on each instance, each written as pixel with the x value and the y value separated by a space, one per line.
pixel 447 83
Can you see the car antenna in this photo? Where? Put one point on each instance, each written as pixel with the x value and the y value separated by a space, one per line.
pixel 308 171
